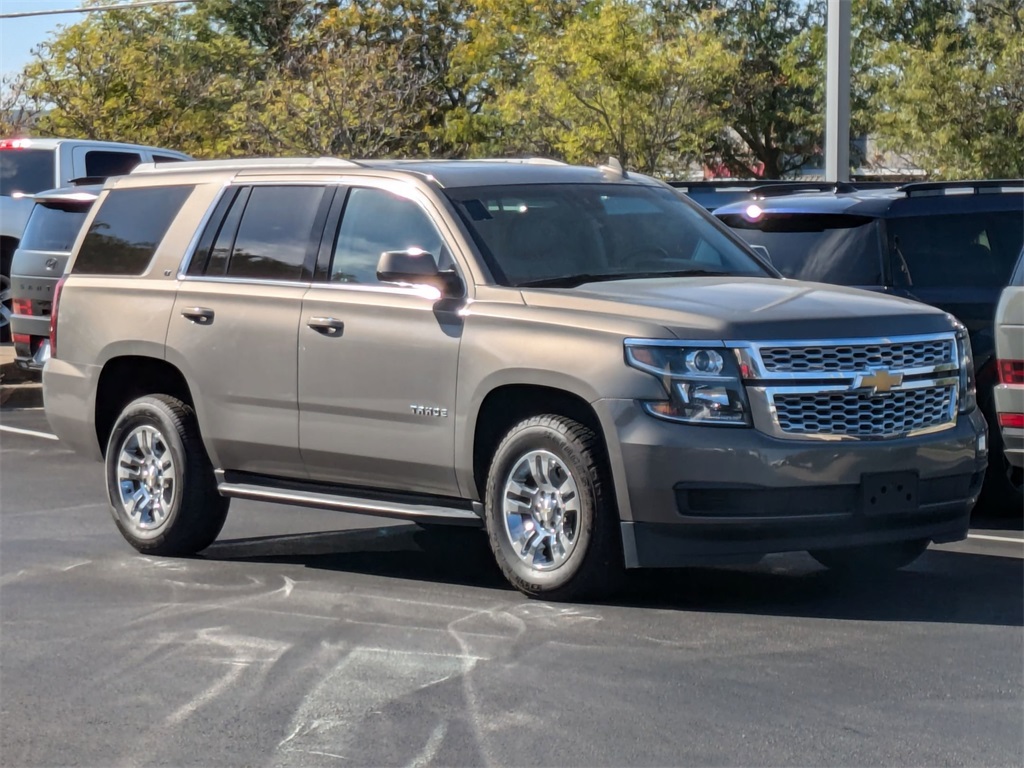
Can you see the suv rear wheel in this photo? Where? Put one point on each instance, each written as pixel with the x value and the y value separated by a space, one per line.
pixel 550 518
pixel 162 491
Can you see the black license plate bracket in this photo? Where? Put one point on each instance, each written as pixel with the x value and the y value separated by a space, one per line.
pixel 886 493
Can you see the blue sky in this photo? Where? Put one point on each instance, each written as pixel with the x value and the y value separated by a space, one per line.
pixel 19 36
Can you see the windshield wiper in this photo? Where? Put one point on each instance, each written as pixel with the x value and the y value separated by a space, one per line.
pixel 571 281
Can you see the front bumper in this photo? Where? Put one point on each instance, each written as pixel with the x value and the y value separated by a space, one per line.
pixel 693 495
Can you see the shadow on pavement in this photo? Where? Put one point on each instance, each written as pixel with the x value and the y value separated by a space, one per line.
pixel 943 586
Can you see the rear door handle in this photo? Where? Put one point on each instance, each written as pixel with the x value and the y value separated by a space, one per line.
pixel 328 326
pixel 198 315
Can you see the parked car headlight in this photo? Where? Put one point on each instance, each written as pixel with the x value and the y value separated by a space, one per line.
pixel 702 381
pixel 968 386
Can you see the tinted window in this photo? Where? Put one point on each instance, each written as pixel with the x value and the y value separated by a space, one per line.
pixel 158 159
pixel 275 233
pixel 104 163
pixel 970 249
pixel 825 248
pixel 376 221
pixel 54 226
pixel 127 229
pixel 26 170
pixel 214 249
pixel 561 233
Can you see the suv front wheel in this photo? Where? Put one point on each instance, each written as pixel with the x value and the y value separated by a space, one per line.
pixel 161 486
pixel 550 518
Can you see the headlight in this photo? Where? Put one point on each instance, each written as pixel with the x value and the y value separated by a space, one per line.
pixel 968 387
pixel 701 380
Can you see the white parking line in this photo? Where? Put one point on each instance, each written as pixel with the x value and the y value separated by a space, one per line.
pixel 994 538
pixel 29 432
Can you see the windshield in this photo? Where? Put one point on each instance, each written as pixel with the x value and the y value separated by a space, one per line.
pixel 54 226
pixel 566 234
pixel 825 248
pixel 26 171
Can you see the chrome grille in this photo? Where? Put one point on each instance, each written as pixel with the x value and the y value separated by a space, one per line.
pixel 859 357
pixel 861 414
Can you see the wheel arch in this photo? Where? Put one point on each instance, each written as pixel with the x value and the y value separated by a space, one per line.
pixel 128 377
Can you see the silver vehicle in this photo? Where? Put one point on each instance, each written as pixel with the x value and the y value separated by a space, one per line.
pixel 1009 392
pixel 580 360
pixel 39 262
pixel 29 166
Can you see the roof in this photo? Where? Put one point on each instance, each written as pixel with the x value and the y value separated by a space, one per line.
pixel 447 173
pixel 911 200
pixel 53 143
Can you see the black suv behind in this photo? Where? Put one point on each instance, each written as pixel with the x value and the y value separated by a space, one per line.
pixel 949 244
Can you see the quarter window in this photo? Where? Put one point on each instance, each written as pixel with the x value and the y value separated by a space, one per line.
pixel 127 229
pixel 274 235
pixel 376 221
pixel 105 163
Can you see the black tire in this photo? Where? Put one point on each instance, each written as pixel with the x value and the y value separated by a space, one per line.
pixel 871 559
pixel 594 565
pixel 195 511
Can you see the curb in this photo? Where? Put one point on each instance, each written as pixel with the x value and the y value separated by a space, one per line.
pixel 21 396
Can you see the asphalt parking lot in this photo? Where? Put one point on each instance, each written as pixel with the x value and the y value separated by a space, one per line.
pixel 307 638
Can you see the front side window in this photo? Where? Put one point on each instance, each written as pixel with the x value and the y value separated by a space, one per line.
pixel 53 226
pixel 274 233
pixel 820 247
pixel 26 171
pixel 374 222
pixel 568 234
pixel 128 228
pixel 966 250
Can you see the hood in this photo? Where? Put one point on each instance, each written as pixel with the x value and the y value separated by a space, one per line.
pixel 752 309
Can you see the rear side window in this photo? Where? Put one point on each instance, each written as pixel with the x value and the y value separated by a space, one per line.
pixel 824 248
pixel 26 171
pixel 158 159
pixel 53 226
pixel 104 163
pixel 127 229
pixel 957 250
pixel 275 233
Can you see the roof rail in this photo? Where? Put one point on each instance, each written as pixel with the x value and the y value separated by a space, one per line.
pixel 714 185
pixel 523 160
pixel 783 188
pixel 976 187
pixel 245 163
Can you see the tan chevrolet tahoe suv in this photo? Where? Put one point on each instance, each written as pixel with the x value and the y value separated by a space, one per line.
pixel 577 359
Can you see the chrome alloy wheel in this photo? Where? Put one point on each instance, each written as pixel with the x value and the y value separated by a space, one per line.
pixel 541 506
pixel 146 478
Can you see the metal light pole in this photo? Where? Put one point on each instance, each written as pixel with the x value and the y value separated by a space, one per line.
pixel 837 92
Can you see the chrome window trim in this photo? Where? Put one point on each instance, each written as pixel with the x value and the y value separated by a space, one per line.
pixel 193 243
pixel 197 233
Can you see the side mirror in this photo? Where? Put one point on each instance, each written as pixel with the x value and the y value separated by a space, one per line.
pixel 761 251
pixel 418 267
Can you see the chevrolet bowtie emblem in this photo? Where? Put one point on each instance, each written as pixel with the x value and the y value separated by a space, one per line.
pixel 879 381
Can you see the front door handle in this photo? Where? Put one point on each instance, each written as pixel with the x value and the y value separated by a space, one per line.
pixel 198 315
pixel 328 326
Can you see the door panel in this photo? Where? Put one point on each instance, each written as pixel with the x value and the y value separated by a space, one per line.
pixel 236 344
pixel 358 385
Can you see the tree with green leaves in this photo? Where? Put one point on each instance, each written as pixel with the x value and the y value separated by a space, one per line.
pixel 951 93
pixel 161 77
